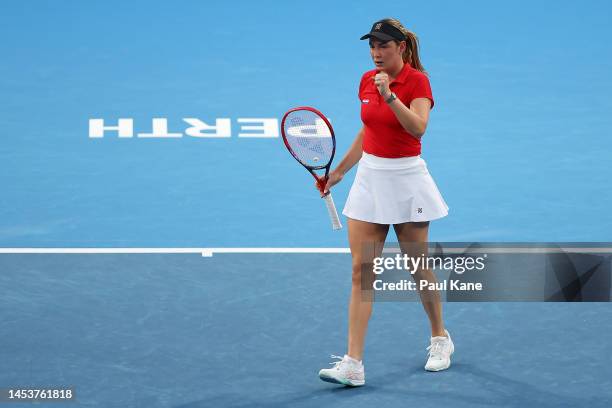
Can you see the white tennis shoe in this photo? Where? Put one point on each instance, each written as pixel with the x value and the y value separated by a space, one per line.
pixel 347 371
pixel 440 351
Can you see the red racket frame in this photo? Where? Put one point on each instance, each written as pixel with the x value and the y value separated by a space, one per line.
pixel 321 181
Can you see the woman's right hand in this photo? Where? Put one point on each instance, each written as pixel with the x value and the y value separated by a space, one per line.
pixel 333 178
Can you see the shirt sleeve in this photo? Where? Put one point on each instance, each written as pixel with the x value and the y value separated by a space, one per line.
pixel 361 85
pixel 422 89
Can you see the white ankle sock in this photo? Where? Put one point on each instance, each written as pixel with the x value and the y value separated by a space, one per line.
pixel 352 360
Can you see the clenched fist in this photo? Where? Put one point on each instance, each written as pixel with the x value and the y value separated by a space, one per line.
pixel 381 80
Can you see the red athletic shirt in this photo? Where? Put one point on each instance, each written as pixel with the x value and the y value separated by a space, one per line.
pixel 384 135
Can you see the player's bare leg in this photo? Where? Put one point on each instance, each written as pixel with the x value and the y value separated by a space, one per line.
pixel 412 237
pixel 366 241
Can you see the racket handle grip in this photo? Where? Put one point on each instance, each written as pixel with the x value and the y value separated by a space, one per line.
pixel 331 209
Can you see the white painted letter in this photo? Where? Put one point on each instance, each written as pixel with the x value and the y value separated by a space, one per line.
pixel 268 127
pixel 222 128
pixel 125 128
pixel 160 129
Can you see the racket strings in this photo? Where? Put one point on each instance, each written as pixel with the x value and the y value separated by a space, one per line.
pixel 309 137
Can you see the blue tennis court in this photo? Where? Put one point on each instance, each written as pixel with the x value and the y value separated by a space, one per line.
pixel 518 142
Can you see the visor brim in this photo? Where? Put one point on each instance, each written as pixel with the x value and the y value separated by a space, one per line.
pixel 379 36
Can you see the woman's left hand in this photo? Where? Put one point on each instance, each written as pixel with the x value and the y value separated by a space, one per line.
pixel 381 80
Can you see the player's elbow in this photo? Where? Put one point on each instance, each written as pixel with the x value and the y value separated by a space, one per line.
pixel 418 135
pixel 419 130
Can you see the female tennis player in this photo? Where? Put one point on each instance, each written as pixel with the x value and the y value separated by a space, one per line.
pixel 392 187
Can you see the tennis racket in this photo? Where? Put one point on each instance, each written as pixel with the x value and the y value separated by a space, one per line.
pixel 310 139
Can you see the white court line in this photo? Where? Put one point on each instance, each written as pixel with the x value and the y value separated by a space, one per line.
pixel 100 250
pixel 208 252
pixel 211 251
pixel 395 250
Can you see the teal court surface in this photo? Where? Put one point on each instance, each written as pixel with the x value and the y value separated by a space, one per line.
pixel 518 143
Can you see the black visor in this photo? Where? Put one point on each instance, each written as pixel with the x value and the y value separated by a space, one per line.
pixel 384 32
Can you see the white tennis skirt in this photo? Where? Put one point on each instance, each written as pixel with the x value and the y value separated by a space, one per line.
pixel 394 191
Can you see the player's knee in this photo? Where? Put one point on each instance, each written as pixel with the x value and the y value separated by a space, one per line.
pixel 356 275
pixel 362 274
pixel 423 274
